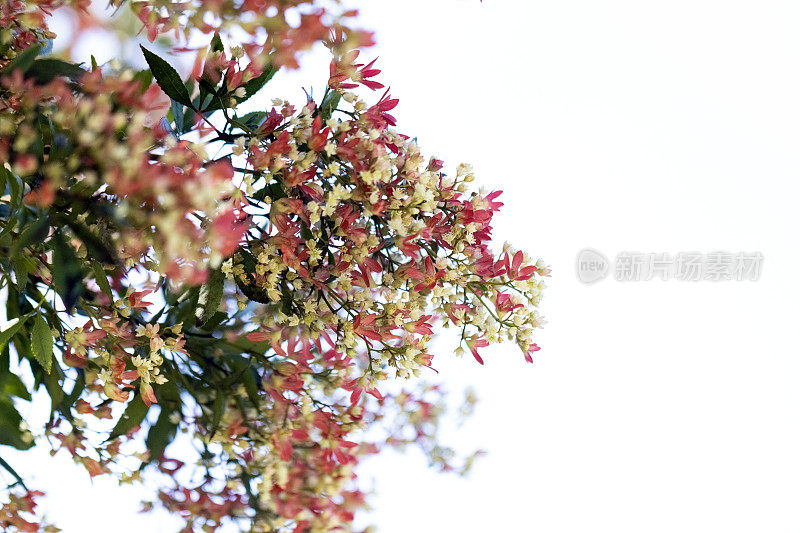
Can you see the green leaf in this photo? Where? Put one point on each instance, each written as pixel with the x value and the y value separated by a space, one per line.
pixel 187 304
pixel 5 363
pixel 10 432
pixel 286 299
pixel 35 232
pixel 15 187
pixel 160 434
pixel 10 329
pixel 328 105
pixel 188 121
pixel 101 278
pixel 23 267
pixel 94 244
pixel 177 115
pixel 23 61
pixel 144 77
pixel 211 97
pixel 67 272
pixel 250 380
pixel 250 88
pixel 46 69
pixel 210 296
pixel 133 416
pixel 42 343
pixel 249 289
pixel 14 386
pixel 253 119
pixel 215 320
pixel 167 78
pixel 218 409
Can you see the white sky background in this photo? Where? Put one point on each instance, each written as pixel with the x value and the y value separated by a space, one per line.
pixel 623 126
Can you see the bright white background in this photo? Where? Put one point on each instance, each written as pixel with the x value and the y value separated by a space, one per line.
pixel 623 126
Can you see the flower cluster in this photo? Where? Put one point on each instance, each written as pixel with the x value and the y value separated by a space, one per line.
pixel 100 152
pixel 19 513
pixel 113 341
pixel 279 29
pixel 117 361
pixel 24 24
pixel 374 242
pixel 256 276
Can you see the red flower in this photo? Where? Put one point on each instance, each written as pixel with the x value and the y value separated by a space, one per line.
pixel 365 328
pixel 531 350
pixel 356 390
pixel 420 326
pixel 512 267
pixel 319 136
pixel 428 278
pixel 148 396
pixel 257 336
pixel 345 69
pixel 137 301
pixel 377 115
pixel 473 343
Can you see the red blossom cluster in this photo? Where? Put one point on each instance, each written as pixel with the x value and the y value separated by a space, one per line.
pixel 110 156
pixel 18 513
pixel 278 29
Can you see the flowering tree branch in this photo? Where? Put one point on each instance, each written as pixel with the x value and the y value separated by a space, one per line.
pixel 254 300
